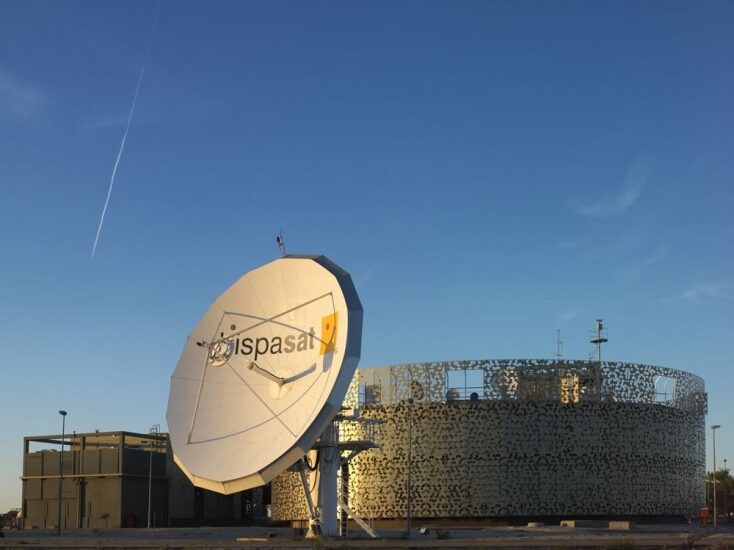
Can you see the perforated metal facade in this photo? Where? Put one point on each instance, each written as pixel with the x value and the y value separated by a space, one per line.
pixel 524 438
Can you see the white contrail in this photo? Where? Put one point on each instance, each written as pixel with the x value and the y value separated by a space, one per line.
pixel 127 129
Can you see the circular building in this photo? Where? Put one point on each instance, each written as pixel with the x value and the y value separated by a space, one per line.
pixel 519 439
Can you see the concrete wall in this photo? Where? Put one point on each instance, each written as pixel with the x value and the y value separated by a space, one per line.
pixel 102 487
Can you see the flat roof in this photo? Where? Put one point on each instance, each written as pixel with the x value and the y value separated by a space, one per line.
pixel 101 439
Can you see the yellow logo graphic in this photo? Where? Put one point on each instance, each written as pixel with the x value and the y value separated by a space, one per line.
pixel 328 333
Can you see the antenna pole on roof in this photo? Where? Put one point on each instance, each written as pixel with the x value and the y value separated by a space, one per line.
pixel 281 243
pixel 599 337
pixel 559 346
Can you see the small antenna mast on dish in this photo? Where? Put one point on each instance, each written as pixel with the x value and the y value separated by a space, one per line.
pixel 281 243
pixel 599 337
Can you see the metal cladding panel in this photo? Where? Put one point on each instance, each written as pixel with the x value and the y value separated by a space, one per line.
pixel 264 372
pixel 523 447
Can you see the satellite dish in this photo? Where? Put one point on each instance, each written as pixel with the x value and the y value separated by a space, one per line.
pixel 264 373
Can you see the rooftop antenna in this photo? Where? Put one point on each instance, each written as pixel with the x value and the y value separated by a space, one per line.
pixel 281 243
pixel 599 337
pixel 559 346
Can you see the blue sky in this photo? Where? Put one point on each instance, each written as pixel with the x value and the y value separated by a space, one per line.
pixel 489 172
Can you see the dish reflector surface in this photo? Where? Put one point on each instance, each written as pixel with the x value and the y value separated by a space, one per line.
pixel 264 373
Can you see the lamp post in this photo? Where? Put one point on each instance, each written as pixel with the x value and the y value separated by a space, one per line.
pixel 61 469
pixel 154 430
pixel 713 434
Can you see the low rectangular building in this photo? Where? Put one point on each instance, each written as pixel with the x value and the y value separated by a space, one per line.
pixel 108 478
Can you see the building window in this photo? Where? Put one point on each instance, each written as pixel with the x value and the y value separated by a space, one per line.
pixel 664 389
pixel 464 384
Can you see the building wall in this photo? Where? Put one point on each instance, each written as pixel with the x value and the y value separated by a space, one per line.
pixel 41 491
pixel 191 506
pixel 102 487
pixel 101 503
pixel 181 493
pixel 135 488
pixel 91 502
pixel 532 449
pixel 106 487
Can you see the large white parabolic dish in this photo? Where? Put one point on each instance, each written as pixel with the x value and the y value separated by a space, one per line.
pixel 264 373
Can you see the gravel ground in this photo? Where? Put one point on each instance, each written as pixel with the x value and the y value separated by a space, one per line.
pixel 646 536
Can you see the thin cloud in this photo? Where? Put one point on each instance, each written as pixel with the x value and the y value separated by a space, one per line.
pixel 570 245
pixel 106 123
pixel 101 124
pixel 618 203
pixel 178 114
pixel 18 99
pixel 703 291
pixel 367 276
pixel 640 265
pixel 128 307
pixel 567 317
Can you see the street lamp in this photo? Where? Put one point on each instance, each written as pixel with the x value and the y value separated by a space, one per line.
pixel 61 469
pixel 154 430
pixel 713 434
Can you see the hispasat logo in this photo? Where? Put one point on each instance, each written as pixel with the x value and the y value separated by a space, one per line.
pixel 256 346
pixel 301 341
pixel 291 343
